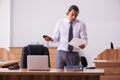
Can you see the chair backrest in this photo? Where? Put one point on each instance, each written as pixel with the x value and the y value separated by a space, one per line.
pixel 33 50
pixel 84 61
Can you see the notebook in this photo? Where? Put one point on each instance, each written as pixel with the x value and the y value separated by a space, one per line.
pixel 37 62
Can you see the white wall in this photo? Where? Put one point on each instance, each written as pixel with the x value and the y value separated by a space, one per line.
pixel 31 19
pixel 5 23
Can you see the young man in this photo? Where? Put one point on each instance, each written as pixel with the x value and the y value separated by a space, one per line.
pixel 66 54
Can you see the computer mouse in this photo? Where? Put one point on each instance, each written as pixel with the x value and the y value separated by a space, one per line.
pixel 13 67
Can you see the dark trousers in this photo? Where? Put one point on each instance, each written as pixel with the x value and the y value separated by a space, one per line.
pixel 65 58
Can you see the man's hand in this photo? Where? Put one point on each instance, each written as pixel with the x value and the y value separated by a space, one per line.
pixel 82 46
pixel 47 38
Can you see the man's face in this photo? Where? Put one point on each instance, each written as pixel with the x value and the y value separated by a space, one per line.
pixel 72 15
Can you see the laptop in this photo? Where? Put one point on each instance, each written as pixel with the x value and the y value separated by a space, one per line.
pixel 37 63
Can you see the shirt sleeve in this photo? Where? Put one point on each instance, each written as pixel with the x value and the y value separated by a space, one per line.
pixel 83 33
pixel 56 34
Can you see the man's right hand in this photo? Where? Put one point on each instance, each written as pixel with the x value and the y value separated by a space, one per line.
pixel 47 38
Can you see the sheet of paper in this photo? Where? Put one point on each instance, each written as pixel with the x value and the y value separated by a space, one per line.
pixel 76 42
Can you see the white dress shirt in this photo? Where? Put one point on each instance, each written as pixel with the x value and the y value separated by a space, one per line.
pixel 62 30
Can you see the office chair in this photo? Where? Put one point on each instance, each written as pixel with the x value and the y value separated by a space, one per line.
pixel 33 50
pixel 84 63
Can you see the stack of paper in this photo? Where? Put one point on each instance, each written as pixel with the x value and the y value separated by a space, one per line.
pixel 76 42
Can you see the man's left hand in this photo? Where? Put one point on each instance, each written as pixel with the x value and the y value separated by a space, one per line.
pixel 82 46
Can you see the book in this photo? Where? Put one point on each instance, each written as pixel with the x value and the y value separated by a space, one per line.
pixel 73 68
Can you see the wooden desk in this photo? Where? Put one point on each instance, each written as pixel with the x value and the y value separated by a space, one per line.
pixel 109 54
pixel 111 68
pixel 6 63
pixel 53 74
pixel 106 64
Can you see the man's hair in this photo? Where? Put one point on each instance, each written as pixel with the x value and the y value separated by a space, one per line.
pixel 73 7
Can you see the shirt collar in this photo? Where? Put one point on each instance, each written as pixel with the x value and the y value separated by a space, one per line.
pixel 68 21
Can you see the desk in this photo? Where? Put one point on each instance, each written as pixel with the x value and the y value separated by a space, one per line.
pixel 106 64
pixel 6 63
pixel 53 74
pixel 111 69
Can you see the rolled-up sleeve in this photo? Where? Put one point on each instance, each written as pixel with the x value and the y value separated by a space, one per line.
pixel 56 34
pixel 83 33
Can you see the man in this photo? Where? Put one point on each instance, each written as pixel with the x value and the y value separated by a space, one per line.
pixel 67 54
